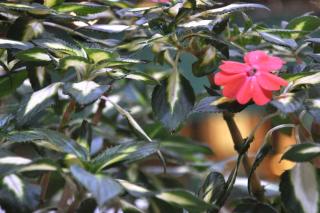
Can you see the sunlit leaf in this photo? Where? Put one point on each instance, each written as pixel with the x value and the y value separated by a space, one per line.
pixel 299 189
pixel 37 102
pixel 85 92
pixel 183 199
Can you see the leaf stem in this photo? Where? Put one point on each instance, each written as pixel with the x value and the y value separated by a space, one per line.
pixel 257 189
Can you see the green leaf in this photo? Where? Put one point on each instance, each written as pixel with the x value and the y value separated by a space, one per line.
pixel 134 189
pixel 51 3
pixel 131 120
pixel 273 39
pixel 124 153
pixel 49 139
pixel 102 187
pixel 173 100
pixel 82 9
pixel 25 29
pixel 37 102
pixel 231 8
pixel 305 23
pixel 307 80
pixel 34 55
pixel 58 46
pixel 299 189
pixel 34 8
pixel 18 195
pixel 10 82
pixel 264 150
pixel 79 64
pixel 302 152
pixel 184 146
pixel 250 205
pixel 12 44
pixel 15 164
pixel 85 92
pixel 183 199
pixel 138 76
pixel 213 188
pixel 97 55
pixel 289 102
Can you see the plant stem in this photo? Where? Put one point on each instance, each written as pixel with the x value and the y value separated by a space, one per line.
pixel 44 181
pixel 257 189
pixel 67 114
pixel 97 116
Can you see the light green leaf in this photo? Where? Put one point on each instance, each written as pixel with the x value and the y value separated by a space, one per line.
pixel 97 55
pixel 85 92
pixel 37 102
pixel 82 9
pixel 102 187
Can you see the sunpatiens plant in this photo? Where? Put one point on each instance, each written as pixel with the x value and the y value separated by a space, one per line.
pixel 94 95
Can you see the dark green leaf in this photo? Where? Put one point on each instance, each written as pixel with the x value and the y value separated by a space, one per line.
pixel 10 82
pixel 289 102
pixel 302 152
pixel 212 188
pixel 306 24
pixel 253 206
pixel 173 100
pixel 85 92
pixel 49 139
pixel 125 153
pixel 102 187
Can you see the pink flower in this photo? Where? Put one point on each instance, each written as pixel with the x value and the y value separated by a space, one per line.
pixel 250 80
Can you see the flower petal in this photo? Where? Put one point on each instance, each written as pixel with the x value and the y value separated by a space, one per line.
pixel 234 67
pixel 245 92
pixel 260 96
pixel 262 61
pixel 230 90
pixel 270 81
pixel 222 78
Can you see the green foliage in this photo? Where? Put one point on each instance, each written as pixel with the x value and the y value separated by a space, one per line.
pixel 91 94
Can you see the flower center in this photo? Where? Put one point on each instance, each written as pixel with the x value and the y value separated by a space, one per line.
pixel 252 72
